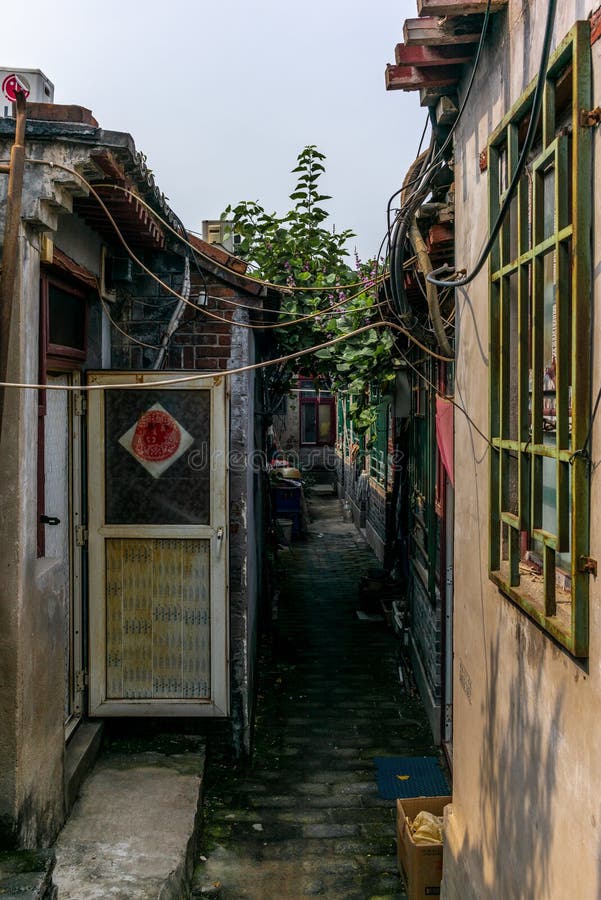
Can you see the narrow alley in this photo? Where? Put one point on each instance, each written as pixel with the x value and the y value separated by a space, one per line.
pixel 304 816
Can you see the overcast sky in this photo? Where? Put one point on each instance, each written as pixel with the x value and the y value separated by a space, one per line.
pixel 221 95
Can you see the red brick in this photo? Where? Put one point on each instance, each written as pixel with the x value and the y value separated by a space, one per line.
pixel 202 339
pixel 209 362
pixel 214 328
pixel 225 340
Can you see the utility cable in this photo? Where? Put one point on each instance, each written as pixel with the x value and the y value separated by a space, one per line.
pixel 183 379
pixel 399 234
pixel 281 288
pixel 176 294
pixel 425 264
pixel 432 164
pixel 523 158
pixel 130 337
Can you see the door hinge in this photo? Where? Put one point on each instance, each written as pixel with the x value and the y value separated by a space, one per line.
pixel 80 404
pixel 81 536
pixel 587 565
pixel 81 680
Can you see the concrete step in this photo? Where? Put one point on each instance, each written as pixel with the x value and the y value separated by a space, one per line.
pixel 133 833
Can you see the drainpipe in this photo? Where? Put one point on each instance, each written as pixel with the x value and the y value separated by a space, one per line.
pixel 175 318
pixel 10 248
pixel 447 562
pixel 423 257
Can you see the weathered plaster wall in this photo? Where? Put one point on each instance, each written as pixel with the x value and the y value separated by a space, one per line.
pixel 286 425
pixel 32 688
pixel 79 242
pixel 526 815
pixel 32 608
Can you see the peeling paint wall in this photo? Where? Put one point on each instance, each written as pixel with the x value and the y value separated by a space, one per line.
pixel 33 606
pixel 526 815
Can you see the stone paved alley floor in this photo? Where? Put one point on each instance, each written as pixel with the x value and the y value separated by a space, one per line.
pixel 303 817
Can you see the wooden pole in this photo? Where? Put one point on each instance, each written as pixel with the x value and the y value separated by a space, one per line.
pixel 10 247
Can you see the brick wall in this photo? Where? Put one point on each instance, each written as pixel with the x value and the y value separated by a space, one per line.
pixel 144 308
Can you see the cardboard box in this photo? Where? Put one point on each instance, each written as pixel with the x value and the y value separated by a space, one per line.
pixel 420 864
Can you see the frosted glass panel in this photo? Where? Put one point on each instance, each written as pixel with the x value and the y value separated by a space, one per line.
pixel 158 619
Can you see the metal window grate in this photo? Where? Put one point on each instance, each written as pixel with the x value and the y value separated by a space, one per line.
pixel 540 316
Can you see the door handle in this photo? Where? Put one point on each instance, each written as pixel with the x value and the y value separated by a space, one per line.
pixel 50 520
pixel 219 535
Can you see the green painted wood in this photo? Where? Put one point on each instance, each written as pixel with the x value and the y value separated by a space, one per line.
pixel 518 254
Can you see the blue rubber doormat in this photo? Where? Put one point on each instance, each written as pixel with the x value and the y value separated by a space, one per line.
pixel 410 776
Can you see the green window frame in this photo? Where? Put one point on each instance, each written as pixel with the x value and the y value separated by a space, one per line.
pixel 540 342
pixel 424 524
pixel 378 439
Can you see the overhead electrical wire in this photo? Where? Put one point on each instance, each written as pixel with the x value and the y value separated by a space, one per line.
pixel 282 288
pixel 183 379
pixel 397 192
pixel 425 264
pixel 399 234
pixel 130 337
pixel 521 163
pixel 178 295
pixel 396 233
pixel 378 279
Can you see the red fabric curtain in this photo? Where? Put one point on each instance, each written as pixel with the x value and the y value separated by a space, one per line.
pixel 444 435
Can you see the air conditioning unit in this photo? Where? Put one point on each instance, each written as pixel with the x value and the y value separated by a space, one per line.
pixel 217 231
pixel 37 88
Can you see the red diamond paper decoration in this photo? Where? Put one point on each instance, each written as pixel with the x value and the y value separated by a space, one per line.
pixel 157 440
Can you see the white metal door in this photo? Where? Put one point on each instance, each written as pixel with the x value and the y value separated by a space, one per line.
pixel 62 509
pixel 157 474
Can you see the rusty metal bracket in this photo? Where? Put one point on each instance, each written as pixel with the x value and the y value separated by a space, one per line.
pixel 589 118
pixel 587 565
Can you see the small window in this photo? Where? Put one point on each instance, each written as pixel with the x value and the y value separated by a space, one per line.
pixel 317 415
pixel 66 319
pixel 540 313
